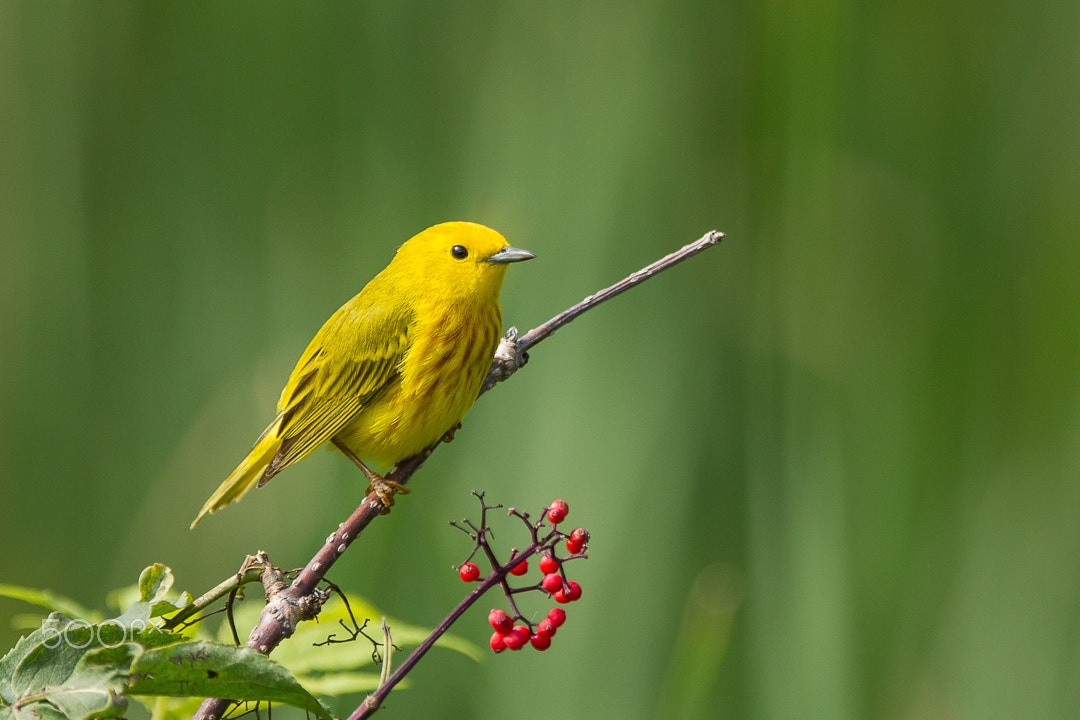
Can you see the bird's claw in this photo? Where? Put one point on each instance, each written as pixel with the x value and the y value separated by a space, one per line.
pixel 385 490
pixel 507 359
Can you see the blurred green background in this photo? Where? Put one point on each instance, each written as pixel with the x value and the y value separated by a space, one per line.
pixel 831 467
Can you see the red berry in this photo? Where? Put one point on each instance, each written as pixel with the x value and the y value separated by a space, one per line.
pixel 521 568
pixel 557 616
pixel 498 642
pixel 469 572
pixel 540 642
pixel 500 621
pixel 516 638
pixel 565 595
pixel 552 582
pixel 546 627
pixel 557 512
pixel 577 540
pixel 548 564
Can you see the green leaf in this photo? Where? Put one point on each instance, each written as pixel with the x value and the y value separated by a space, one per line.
pixel 153 588
pixel 8 663
pixel 96 686
pixel 77 669
pixel 51 656
pixel 154 583
pixel 209 669
pixel 167 607
pixel 73 669
pixel 52 671
pixel 35 711
pixel 49 600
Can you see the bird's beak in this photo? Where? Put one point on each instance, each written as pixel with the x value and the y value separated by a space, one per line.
pixel 509 255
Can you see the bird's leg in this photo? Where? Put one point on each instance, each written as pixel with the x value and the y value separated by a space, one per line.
pixel 382 487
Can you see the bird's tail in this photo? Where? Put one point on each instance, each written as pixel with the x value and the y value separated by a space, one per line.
pixel 246 474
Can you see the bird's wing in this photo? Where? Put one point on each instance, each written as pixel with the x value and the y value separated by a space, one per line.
pixel 353 358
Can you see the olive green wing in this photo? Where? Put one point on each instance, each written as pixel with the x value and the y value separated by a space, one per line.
pixel 354 357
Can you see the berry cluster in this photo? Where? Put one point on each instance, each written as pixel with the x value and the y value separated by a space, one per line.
pixel 508 636
pixel 514 631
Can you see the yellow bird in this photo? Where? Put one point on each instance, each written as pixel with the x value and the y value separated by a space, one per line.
pixel 394 368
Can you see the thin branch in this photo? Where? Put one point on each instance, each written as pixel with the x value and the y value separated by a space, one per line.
pixel 512 352
pixel 279 618
pixel 249 572
pixel 540 332
pixel 497 576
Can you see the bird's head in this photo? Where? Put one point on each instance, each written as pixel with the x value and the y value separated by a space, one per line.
pixel 458 258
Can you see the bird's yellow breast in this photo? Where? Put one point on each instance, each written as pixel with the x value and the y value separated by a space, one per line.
pixel 438 380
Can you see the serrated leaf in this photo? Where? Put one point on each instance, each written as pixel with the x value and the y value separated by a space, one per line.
pixel 95 687
pixel 72 669
pixel 9 662
pixel 209 669
pixel 154 583
pixel 49 673
pixel 54 652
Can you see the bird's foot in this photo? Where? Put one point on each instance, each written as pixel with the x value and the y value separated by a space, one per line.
pixel 507 360
pixel 385 490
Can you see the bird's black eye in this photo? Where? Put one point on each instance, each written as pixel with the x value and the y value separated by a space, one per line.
pixel 459 252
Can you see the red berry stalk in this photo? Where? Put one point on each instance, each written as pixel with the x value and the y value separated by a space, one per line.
pixel 511 636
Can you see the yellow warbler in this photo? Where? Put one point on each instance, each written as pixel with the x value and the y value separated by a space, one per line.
pixel 396 367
